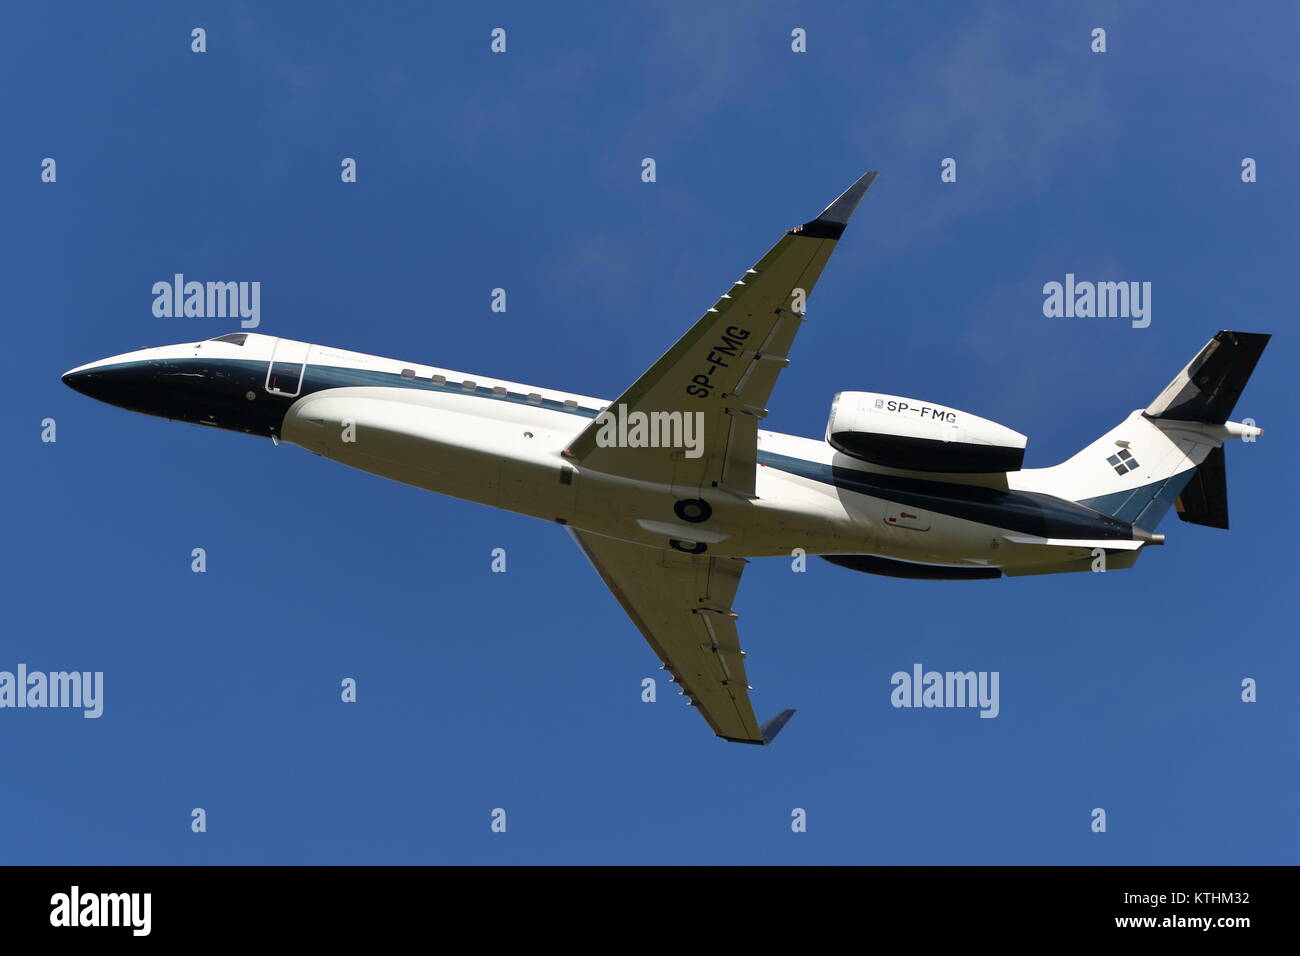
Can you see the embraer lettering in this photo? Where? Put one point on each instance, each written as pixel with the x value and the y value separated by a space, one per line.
pixel 702 385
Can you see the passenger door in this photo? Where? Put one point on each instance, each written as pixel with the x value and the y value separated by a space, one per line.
pixel 285 370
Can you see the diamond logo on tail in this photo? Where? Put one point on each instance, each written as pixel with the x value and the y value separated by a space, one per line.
pixel 1123 462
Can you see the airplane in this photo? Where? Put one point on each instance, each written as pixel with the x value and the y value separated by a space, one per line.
pixel 670 488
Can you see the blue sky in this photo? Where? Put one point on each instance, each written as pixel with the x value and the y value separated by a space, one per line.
pixel 521 170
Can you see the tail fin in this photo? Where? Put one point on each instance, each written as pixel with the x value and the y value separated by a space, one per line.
pixel 1172 451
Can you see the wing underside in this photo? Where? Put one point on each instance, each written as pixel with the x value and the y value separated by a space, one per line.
pixel 725 367
pixel 681 604
pixel 719 375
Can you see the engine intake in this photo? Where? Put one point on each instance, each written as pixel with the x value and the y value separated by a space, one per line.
pixel 920 436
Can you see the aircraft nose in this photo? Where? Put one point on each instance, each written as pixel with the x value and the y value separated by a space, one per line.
pixel 106 381
pixel 79 379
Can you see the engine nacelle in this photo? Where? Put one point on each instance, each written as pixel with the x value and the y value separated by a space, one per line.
pixel 918 436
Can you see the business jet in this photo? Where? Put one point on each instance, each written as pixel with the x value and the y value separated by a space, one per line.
pixel 672 486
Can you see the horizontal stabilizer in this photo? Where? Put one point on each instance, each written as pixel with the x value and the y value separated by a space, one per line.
pixel 1205 499
pixel 1207 389
pixel 1119 544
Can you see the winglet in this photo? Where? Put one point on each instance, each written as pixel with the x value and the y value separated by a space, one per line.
pixel 768 731
pixel 830 224
pixel 773 727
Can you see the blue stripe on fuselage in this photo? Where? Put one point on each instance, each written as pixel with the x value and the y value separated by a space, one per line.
pixel 1144 506
pixel 1028 512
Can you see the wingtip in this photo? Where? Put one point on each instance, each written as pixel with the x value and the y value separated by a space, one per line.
pixel 773 727
pixel 835 217
pixel 766 733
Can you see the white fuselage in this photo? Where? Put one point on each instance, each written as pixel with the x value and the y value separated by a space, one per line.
pixel 509 455
pixel 503 444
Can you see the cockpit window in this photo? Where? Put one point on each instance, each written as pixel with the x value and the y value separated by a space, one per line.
pixel 234 338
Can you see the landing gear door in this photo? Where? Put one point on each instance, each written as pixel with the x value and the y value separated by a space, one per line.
pixel 288 362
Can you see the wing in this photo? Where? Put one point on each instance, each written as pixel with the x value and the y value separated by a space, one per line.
pixel 681 603
pixel 724 368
